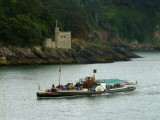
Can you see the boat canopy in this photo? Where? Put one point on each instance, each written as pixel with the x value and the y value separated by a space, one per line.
pixel 111 81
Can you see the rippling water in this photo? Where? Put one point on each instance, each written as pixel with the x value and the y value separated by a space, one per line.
pixel 18 86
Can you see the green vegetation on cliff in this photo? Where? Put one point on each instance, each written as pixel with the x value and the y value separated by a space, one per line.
pixel 28 22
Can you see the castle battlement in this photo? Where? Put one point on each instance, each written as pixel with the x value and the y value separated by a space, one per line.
pixel 62 39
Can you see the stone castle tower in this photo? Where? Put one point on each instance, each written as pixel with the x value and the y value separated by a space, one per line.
pixel 62 39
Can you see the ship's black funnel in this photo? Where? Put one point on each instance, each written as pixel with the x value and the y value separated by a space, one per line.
pixel 94 71
pixel 94 74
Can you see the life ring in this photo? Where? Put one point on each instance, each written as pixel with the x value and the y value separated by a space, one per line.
pixel 80 80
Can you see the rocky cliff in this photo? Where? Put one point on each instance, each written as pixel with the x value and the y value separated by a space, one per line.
pixel 81 52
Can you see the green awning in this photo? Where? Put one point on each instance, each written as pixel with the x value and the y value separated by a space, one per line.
pixel 111 81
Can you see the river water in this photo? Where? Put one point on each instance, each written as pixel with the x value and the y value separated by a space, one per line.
pixel 18 86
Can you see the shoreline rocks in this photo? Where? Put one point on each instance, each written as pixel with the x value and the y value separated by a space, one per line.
pixel 135 46
pixel 81 53
pixel 3 60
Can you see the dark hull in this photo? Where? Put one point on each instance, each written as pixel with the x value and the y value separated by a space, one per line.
pixel 66 94
pixel 89 93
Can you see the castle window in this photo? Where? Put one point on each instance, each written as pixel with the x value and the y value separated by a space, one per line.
pixel 63 36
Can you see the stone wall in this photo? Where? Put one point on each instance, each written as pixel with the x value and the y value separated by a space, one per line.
pixel 48 43
pixel 64 40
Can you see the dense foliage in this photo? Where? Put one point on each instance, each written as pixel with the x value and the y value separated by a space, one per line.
pixel 28 22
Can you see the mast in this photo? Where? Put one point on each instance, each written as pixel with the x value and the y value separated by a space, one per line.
pixel 60 72
pixel 39 87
